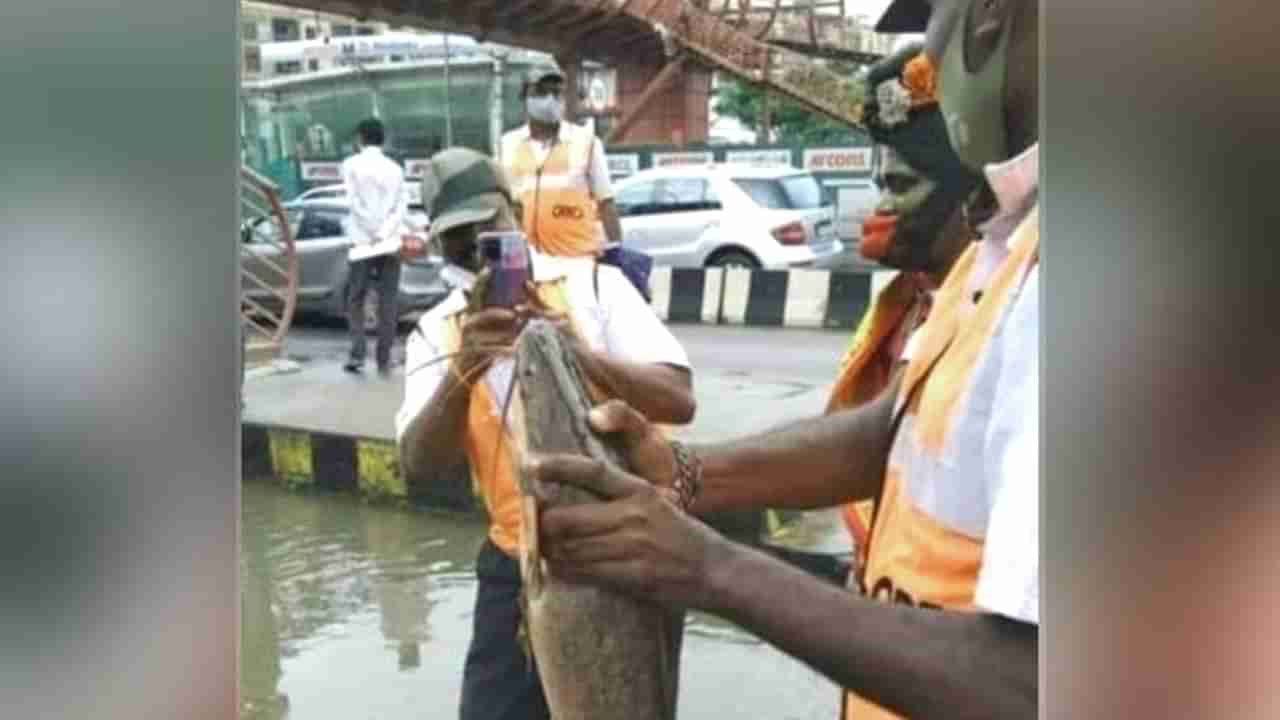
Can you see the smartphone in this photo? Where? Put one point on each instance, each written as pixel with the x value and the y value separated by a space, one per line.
pixel 506 253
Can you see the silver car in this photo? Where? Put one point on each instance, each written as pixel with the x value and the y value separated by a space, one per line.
pixel 338 192
pixel 758 217
pixel 321 244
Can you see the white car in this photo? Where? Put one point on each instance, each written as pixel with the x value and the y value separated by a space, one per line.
pixel 723 215
pixel 338 192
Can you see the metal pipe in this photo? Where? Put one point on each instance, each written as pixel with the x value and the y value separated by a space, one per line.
pixel 448 109
pixel 496 95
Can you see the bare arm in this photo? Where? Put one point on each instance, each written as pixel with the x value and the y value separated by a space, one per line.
pixel 602 190
pixel 918 663
pixel 609 217
pixel 663 393
pixel 815 463
pixel 433 440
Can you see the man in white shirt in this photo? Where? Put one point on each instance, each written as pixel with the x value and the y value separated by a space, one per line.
pixel 379 203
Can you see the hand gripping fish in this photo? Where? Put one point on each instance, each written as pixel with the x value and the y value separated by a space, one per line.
pixel 602 655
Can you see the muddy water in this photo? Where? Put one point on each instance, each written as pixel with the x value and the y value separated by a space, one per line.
pixel 350 611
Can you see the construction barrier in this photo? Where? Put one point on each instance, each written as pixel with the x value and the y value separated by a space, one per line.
pixel 781 298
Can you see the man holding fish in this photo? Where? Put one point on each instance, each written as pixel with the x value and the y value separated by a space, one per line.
pixel 949 623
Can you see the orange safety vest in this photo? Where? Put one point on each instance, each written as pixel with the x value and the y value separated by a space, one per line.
pixel 867 368
pixel 490 449
pixel 913 558
pixel 558 210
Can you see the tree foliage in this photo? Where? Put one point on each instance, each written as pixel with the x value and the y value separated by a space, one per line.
pixel 792 122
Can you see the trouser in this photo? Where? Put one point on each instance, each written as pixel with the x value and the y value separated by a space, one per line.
pixel 499 682
pixel 382 273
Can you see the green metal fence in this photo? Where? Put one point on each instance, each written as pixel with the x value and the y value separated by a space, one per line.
pixel 315 120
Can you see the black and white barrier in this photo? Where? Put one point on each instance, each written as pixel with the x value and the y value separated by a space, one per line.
pixel 781 298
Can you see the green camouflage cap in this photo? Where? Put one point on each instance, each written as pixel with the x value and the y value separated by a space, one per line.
pixel 904 16
pixel 461 187
pixel 542 70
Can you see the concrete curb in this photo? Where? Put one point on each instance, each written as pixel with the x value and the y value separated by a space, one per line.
pixel 302 459
pixel 769 298
pixel 369 467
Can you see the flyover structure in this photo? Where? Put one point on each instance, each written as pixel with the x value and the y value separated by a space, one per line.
pixel 664 51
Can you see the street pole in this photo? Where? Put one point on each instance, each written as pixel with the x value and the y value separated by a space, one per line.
pixel 448 110
pixel 495 104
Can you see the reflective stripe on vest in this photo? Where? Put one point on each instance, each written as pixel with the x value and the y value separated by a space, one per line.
pixel 559 212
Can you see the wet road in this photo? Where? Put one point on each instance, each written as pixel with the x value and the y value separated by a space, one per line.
pixel 351 611
pixel 793 354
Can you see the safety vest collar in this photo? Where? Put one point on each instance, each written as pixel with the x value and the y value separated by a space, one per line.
pixel 564 133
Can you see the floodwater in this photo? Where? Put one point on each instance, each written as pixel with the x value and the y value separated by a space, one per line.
pixel 351 611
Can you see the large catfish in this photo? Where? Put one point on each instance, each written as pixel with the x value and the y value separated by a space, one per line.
pixel 602 655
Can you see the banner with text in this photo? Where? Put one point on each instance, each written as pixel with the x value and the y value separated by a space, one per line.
pixel 322 172
pixel 623 164
pixel 759 157
pixel 847 159
pixel 677 159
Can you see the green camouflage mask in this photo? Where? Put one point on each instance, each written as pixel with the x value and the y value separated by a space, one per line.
pixel 973 103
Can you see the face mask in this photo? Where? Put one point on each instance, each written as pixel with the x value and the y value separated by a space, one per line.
pixel 545 108
pixel 973 103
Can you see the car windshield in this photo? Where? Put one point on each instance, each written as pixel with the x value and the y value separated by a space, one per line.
pixel 794 192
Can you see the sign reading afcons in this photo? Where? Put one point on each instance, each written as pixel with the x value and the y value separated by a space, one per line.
pixel 848 159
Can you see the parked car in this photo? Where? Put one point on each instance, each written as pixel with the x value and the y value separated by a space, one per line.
pixel 338 191
pixel 855 201
pixel 321 244
pixel 771 217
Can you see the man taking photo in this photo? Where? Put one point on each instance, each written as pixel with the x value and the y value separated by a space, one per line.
pixel 950 625
pixel 458 379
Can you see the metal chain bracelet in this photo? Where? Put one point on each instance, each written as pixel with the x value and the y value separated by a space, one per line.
pixel 688 477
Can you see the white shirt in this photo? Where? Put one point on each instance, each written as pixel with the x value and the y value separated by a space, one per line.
pixel 597 168
pixel 379 203
pixel 981 481
pixel 1009 580
pixel 620 324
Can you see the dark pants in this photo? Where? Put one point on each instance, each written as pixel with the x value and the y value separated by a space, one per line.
pixel 382 273
pixel 499 681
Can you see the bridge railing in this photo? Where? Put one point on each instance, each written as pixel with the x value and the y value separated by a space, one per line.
pixel 268 268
